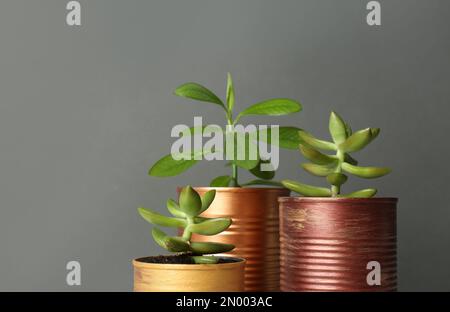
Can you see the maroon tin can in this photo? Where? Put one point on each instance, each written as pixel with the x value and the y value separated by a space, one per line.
pixel 332 244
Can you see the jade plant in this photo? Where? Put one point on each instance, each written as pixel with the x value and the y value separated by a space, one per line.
pixel 186 217
pixel 168 166
pixel 335 167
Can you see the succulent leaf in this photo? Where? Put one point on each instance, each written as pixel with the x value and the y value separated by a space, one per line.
pixel 190 201
pixel 356 141
pixel 159 219
pixel 173 244
pixel 318 170
pixel 210 227
pixel 337 179
pixel 205 259
pixel 306 190
pixel 315 156
pixel 207 199
pixel 349 159
pixel 308 139
pixel 338 129
pixel 174 209
pixel 365 172
pixel 366 193
pixel 210 247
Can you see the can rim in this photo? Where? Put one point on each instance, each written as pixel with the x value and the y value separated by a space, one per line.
pixel 372 200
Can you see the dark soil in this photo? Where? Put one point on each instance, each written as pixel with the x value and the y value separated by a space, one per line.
pixel 180 259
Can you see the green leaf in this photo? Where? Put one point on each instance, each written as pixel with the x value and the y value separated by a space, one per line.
pixel 365 172
pixel 366 193
pixel 338 129
pixel 203 248
pixel 205 259
pixel 374 133
pixel 265 175
pixel 190 201
pixel 211 226
pixel 174 209
pixel 306 190
pixel 348 130
pixel 273 107
pixel 287 137
pixel 308 139
pixel 315 156
pixel 230 94
pixel 168 167
pixel 337 179
pixel 356 141
pixel 198 92
pixel 318 170
pixel 207 199
pixel 263 182
pixel 246 163
pixel 173 244
pixel 221 181
pixel 159 219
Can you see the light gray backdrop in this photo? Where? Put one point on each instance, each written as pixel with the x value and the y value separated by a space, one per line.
pixel 85 111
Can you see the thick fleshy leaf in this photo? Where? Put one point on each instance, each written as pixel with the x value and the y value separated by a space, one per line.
pixel 366 193
pixel 338 129
pixel 190 201
pixel 174 209
pixel 168 167
pixel 337 179
pixel 265 175
pixel 173 244
pixel 308 139
pixel 306 190
pixel 205 259
pixel 230 93
pixel 315 156
pixel 318 170
pixel 287 137
pixel 221 181
pixel 365 172
pixel 273 107
pixel 159 219
pixel 197 92
pixel 356 141
pixel 348 130
pixel 207 199
pixel 211 226
pixel 210 247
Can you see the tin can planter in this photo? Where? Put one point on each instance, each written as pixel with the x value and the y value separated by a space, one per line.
pixel 327 243
pixel 254 231
pixel 168 277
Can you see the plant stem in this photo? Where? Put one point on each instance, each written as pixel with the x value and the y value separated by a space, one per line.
pixel 187 235
pixel 234 174
pixel 335 189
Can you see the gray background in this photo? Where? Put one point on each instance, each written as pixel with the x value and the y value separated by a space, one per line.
pixel 85 111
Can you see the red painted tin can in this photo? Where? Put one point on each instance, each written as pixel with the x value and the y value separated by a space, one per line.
pixel 332 244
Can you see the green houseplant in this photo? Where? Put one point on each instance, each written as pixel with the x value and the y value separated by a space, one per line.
pixel 341 236
pixel 255 209
pixel 185 271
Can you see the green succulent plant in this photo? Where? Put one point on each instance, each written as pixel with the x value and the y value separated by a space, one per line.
pixel 186 216
pixel 336 167
pixel 168 166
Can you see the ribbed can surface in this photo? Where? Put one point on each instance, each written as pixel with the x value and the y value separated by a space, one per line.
pixel 327 243
pixel 254 231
